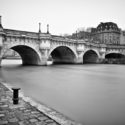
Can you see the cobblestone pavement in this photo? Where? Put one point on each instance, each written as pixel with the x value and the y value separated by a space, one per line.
pixel 21 114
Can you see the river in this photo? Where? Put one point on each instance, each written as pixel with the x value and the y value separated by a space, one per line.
pixel 89 94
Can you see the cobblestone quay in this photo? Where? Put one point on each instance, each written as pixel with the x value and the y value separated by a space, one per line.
pixel 21 114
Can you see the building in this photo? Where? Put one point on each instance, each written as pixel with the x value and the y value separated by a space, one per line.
pixel 106 33
pixel 122 38
pixel 11 54
pixel 81 35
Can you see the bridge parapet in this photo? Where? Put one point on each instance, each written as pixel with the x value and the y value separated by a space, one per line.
pixel 62 39
pixel 115 46
pixel 44 36
pixel 9 32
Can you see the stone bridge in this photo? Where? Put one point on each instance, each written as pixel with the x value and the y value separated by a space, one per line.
pixel 36 48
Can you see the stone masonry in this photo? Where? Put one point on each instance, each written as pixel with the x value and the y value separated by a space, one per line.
pixel 21 114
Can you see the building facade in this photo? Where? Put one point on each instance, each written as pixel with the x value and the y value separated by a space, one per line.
pixel 106 33
pixel 122 38
pixel 11 54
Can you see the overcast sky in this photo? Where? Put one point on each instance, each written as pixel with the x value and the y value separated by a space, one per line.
pixel 63 16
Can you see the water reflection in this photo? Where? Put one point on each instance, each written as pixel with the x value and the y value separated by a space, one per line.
pixel 90 94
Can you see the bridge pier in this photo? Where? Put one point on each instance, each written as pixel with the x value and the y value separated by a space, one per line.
pixel 1 39
pixel 0 50
pixel 44 56
pixel 102 56
pixel 43 61
pixel 79 60
pixel 0 62
pixel 1 45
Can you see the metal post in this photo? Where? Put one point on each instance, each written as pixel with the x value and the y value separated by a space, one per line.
pixel 15 95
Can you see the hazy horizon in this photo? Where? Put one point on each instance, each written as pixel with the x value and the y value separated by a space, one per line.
pixel 63 16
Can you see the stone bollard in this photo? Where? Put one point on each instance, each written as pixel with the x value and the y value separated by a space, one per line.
pixel 15 95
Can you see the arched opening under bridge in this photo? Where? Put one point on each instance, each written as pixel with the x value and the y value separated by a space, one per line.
pixel 115 58
pixel 28 55
pixel 63 55
pixel 90 57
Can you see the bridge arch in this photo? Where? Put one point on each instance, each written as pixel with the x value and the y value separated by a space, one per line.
pixel 28 54
pixel 115 58
pixel 63 55
pixel 90 56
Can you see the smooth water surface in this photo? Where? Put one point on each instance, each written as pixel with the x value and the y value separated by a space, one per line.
pixel 88 94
